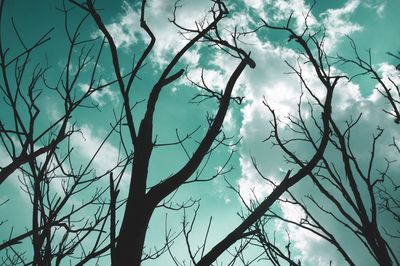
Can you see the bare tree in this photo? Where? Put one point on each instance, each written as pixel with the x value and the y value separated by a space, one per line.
pixel 58 229
pixel 358 193
pixel 44 156
pixel 308 43
pixel 142 201
pixel 107 224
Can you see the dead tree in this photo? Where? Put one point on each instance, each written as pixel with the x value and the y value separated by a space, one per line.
pixel 307 43
pixel 361 190
pixel 142 200
pixel 58 230
pixel 364 192
pixel 42 158
pixel 359 194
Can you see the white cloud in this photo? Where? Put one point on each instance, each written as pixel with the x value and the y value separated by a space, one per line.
pixel 257 4
pixel 169 39
pixel 100 97
pixel 337 23
pixel 227 200
pixel 214 79
pixel 229 122
pixel 251 185
pixel 192 56
pixel 381 9
pixel 303 240
pixel 124 29
pixel 298 9
pixel 88 142
pixel 377 5
pixel 387 71
pixel 389 74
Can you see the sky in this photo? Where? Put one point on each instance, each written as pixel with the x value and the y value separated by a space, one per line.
pixel 372 24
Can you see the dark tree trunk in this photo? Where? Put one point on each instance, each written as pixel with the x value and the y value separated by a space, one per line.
pixel 138 210
pixel 132 235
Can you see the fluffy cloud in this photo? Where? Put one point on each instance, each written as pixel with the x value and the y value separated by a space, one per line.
pixel 338 24
pixel 298 9
pixel 126 29
pixel 257 4
pixel 215 79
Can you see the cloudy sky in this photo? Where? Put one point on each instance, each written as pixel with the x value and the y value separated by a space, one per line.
pixel 371 24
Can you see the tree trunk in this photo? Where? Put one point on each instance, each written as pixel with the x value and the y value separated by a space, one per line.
pixel 130 243
pixel 381 250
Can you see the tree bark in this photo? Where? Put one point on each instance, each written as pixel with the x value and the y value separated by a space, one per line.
pixel 129 248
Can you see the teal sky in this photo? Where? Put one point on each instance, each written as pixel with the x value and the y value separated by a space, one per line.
pixel 372 24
